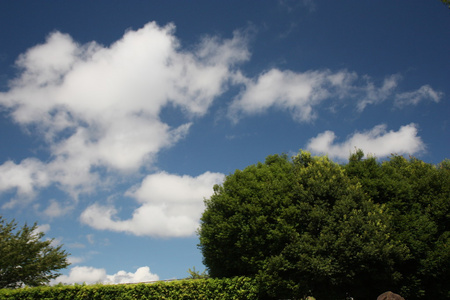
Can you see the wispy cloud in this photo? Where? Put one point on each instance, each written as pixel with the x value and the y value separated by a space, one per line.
pixel 301 93
pixel 76 245
pixel 291 5
pixel 73 260
pixel 370 94
pixel 377 141
pixel 57 209
pixel 424 93
pixel 388 90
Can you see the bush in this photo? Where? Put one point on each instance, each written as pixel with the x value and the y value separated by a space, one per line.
pixel 227 288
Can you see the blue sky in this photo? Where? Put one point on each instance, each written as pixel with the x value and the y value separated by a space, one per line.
pixel 118 117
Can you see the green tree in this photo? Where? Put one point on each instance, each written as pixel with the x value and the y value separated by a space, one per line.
pixel 309 226
pixel 418 196
pixel 446 2
pixel 26 259
pixel 194 274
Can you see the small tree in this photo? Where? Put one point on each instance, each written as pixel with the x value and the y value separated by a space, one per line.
pixel 26 259
pixel 194 274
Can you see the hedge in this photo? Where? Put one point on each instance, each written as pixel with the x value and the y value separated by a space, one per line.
pixel 226 288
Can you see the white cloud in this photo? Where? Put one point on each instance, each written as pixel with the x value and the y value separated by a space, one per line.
pixel 377 141
pixel 90 238
pixel 91 275
pixel 44 228
pixel 79 274
pixel 97 107
pixel 296 92
pixel 171 206
pixel 302 93
pixel 73 260
pixel 25 178
pixel 56 209
pixel 375 95
pixel 142 274
pixel 425 92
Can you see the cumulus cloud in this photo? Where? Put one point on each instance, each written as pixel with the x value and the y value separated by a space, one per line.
pixel 301 93
pixel 91 275
pixel 25 178
pixel 296 92
pixel 377 141
pixel 171 206
pixel 78 274
pixel 97 107
pixel 142 274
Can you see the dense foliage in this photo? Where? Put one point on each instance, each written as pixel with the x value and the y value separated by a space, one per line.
pixel 223 289
pixel 417 195
pixel 27 259
pixel 309 226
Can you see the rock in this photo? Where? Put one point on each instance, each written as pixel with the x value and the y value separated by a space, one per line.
pixel 390 296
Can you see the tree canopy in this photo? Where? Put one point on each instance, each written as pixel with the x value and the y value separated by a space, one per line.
pixel 27 259
pixel 309 226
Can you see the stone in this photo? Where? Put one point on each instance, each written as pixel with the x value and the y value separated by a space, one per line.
pixel 390 296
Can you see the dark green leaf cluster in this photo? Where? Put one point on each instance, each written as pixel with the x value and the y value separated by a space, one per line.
pixel 26 259
pixel 309 226
pixel 417 196
pixel 229 288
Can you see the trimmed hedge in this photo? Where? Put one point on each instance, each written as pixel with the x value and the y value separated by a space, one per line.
pixel 226 288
